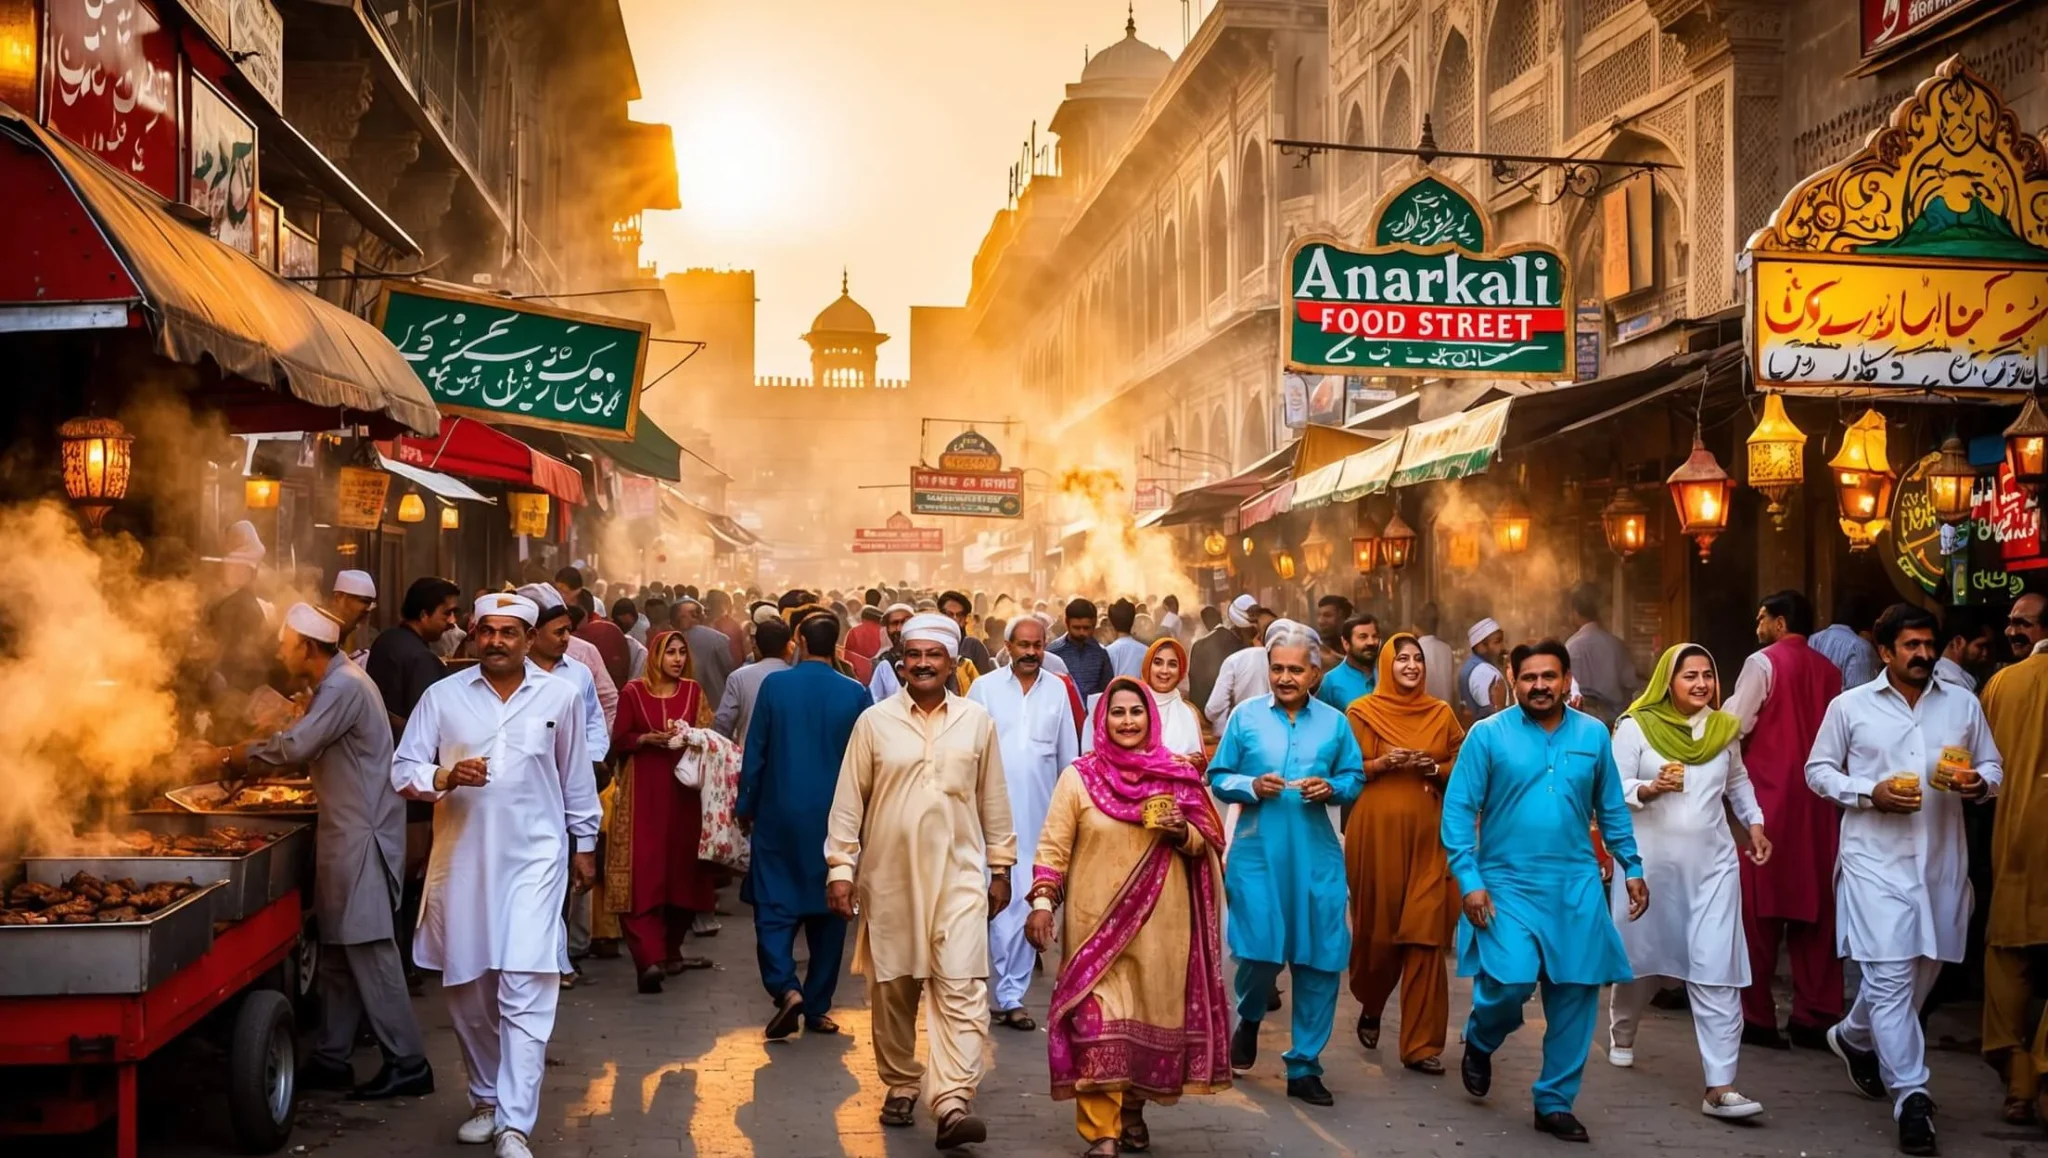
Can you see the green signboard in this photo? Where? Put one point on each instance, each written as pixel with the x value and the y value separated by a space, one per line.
pixel 516 362
pixel 1428 297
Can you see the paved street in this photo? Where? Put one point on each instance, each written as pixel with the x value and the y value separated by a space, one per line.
pixel 687 1073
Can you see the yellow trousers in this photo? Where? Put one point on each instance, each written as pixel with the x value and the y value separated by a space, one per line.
pixel 957 1020
pixel 1099 1114
pixel 2007 991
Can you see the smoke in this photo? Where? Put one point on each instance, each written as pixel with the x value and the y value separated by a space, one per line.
pixel 1119 558
pixel 1525 592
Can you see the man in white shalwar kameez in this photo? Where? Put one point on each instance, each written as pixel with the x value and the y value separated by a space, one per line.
pixel 1902 885
pixel 1035 730
pixel 1242 678
pixel 500 749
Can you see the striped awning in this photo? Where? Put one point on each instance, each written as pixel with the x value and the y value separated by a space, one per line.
pixel 1452 447
pixel 1369 472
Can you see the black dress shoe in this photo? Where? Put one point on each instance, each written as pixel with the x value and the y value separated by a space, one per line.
pixel 1477 1070
pixel 1766 1036
pixel 1862 1066
pixel 398 1081
pixel 1273 1000
pixel 325 1075
pixel 1916 1126
pixel 1244 1045
pixel 1311 1090
pixel 1814 1037
pixel 1562 1127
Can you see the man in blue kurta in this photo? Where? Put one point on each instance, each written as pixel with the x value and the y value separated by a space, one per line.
pixel 1285 760
pixel 1529 784
pixel 795 742
pixel 1358 673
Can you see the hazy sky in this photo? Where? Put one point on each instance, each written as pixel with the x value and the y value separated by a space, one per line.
pixel 876 134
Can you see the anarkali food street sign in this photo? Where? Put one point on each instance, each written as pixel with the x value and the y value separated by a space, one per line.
pixel 517 362
pixel 1918 264
pixel 1429 296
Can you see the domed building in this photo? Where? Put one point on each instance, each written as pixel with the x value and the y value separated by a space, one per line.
pixel 1103 105
pixel 843 342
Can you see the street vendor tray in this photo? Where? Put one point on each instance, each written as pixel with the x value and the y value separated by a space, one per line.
pixel 251 880
pixel 123 957
pixel 208 798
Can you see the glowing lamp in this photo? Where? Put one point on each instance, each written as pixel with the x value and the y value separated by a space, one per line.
pixel 1777 458
pixel 1215 545
pixel 1950 481
pixel 1397 543
pixel 98 454
pixel 2026 446
pixel 451 519
pixel 1247 546
pixel 1316 551
pixel 259 493
pixel 412 508
pixel 1626 522
pixel 1283 565
pixel 1365 547
pixel 1511 526
pixel 1863 481
pixel 1700 490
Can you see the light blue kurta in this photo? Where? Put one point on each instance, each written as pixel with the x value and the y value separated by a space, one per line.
pixel 1517 823
pixel 1345 683
pixel 1284 873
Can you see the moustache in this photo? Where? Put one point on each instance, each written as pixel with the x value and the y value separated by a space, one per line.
pixel 922 670
pixel 1919 665
pixel 496 649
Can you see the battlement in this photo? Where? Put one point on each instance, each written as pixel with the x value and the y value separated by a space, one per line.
pixel 834 380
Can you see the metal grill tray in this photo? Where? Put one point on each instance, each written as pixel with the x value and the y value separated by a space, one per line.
pixel 252 880
pixel 129 957
pixel 207 796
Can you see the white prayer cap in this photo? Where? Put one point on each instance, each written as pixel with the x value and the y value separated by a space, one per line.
pixel 312 623
pixel 870 611
pixel 241 544
pixel 1274 628
pixel 1477 633
pixel 762 611
pixel 356 583
pixel 542 596
pixel 931 627
pixel 905 608
pixel 1239 613
pixel 516 606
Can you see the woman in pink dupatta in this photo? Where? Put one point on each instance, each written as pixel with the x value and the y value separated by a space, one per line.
pixel 1139 1012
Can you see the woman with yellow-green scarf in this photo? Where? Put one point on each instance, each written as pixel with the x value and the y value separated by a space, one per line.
pixel 1681 771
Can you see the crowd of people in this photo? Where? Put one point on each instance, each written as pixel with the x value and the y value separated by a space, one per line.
pixel 1185 809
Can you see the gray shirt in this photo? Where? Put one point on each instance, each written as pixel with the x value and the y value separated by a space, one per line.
pixel 346 739
pixel 1605 671
pixel 736 708
pixel 710 659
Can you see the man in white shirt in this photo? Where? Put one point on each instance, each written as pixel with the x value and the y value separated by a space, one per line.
pixel 544 596
pixel 1170 622
pixel 500 749
pixel 1126 654
pixel 1243 676
pixel 1035 732
pixel 1439 663
pixel 1902 887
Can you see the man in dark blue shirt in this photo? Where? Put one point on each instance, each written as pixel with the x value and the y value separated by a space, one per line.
pixel 1088 663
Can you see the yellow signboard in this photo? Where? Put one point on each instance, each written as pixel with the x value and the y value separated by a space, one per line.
pixel 361 494
pixel 529 512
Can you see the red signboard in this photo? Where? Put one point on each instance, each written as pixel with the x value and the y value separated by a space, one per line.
pixel 110 83
pixel 2005 514
pixel 897 541
pixel 1890 22
pixel 1151 495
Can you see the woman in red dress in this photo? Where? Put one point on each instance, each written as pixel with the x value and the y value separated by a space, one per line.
pixel 653 879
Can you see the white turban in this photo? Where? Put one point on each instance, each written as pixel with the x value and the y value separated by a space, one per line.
pixel 1274 628
pixel 356 583
pixel 542 595
pixel 309 621
pixel 931 627
pixel 518 607
pixel 905 608
pixel 1478 632
pixel 1239 613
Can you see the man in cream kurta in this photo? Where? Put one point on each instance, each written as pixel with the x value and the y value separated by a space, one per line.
pixel 1902 885
pixel 920 824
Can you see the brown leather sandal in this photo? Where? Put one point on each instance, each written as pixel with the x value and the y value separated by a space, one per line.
pixel 1136 1137
pixel 898 1111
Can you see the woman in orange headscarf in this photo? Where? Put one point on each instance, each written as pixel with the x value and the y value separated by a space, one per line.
pixel 1404 908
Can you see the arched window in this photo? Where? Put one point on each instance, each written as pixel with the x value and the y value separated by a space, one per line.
pixel 1397 117
pixel 1126 313
pixel 1451 115
pixel 1219 442
pixel 1352 167
pixel 1191 261
pixel 1169 281
pixel 1251 432
pixel 1304 118
pixel 1252 225
pixel 1514 45
pixel 1217 243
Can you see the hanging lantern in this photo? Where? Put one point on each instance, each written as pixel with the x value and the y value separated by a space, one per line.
pixel 1777 458
pixel 1863 481
pixel 1215 545
pixel 1511 526
pixel 1626 522
pixel 260 493
pixel 451 519
pixel 1316 551
pixel 1283 565
pixel 1365 547
pixel 1950 482
pixel 2026 446
pixel 1248 546
pixel 412 508
pixel 1461 547
pixel 98 453
pixel 1397 542
pixel 1700 490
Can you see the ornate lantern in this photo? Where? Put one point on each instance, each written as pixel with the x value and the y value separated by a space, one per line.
pixel 1777 457
pixel 1700 490
pixel 1215 545
pixel 1283 565
pixel 1511 526
pixel 412 508
pixel 451 519
pixel 1863 481
pixel 1397 543
pixel 1626 522
pixel 1316 551
pixel 1365 547
pixel 2026 446
pixel 1950 482
pixel 259 493
pixel 98 455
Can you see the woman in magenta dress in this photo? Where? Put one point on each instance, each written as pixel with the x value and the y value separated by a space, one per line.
pixel 653 879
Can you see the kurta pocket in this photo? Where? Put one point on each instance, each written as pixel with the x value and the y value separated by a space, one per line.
pixel 957 771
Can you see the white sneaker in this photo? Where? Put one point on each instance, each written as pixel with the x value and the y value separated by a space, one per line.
pixel 1621 1056
pixel 1731 1105
pixel 480 1128
pixel 512 1144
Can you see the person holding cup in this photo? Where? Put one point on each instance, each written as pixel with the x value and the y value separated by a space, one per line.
pixel 1902 892
pixel 1681 771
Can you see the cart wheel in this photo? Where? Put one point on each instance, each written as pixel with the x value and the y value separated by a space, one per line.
pixel 308 954
pixel 261 1065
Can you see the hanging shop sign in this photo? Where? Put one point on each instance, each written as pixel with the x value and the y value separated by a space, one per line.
pixel 1978 560
pixel 256 39
pixel 970 451
pixel 1152 495
pixel 529 512
pixel 976 494
pixel 1428 296
pixel 110 83
pixel 361 493
pixel 494 358
pixel 1890 23
pixel 1920 263
pixel 899 536
pixel 220 170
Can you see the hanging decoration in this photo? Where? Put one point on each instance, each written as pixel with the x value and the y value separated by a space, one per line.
pixel 1626 522
pixel 1283 565
pixel 98 457
pixel 529 513
pixel 1951 482
pixel 260 493
pixel 1863 481
pixel 1397 543
pixel 1511 526
pixel 1700 490
pixel 412 508
pixel 2026 447
pixel 1215 545
pixel 451 518
pixel 1777 458
pixel 1365 546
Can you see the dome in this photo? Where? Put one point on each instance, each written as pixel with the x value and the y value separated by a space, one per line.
pixel 1127 59
pixel 844 315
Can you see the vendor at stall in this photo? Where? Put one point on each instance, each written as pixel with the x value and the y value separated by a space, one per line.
pixel 345 737
pixel 353 598
pixel 237 620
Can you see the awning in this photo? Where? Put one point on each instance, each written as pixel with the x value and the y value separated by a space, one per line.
pixel 447 486
pixel 1369 472
pixel 721 527
pixel 468 447
pixel 1262 507
pixel 202 299
pixel 1213 499
pixel 1453 446
pixel 1367 421
pixel 652 452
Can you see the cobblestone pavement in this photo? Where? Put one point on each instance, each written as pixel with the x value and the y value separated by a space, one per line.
pixel 687 1073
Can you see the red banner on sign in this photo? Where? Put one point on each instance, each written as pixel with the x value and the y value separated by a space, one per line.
pixel 1432 323
pixel 110 83
pixel 1888 22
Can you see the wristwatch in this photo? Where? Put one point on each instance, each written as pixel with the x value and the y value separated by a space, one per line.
pixel 1000 874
